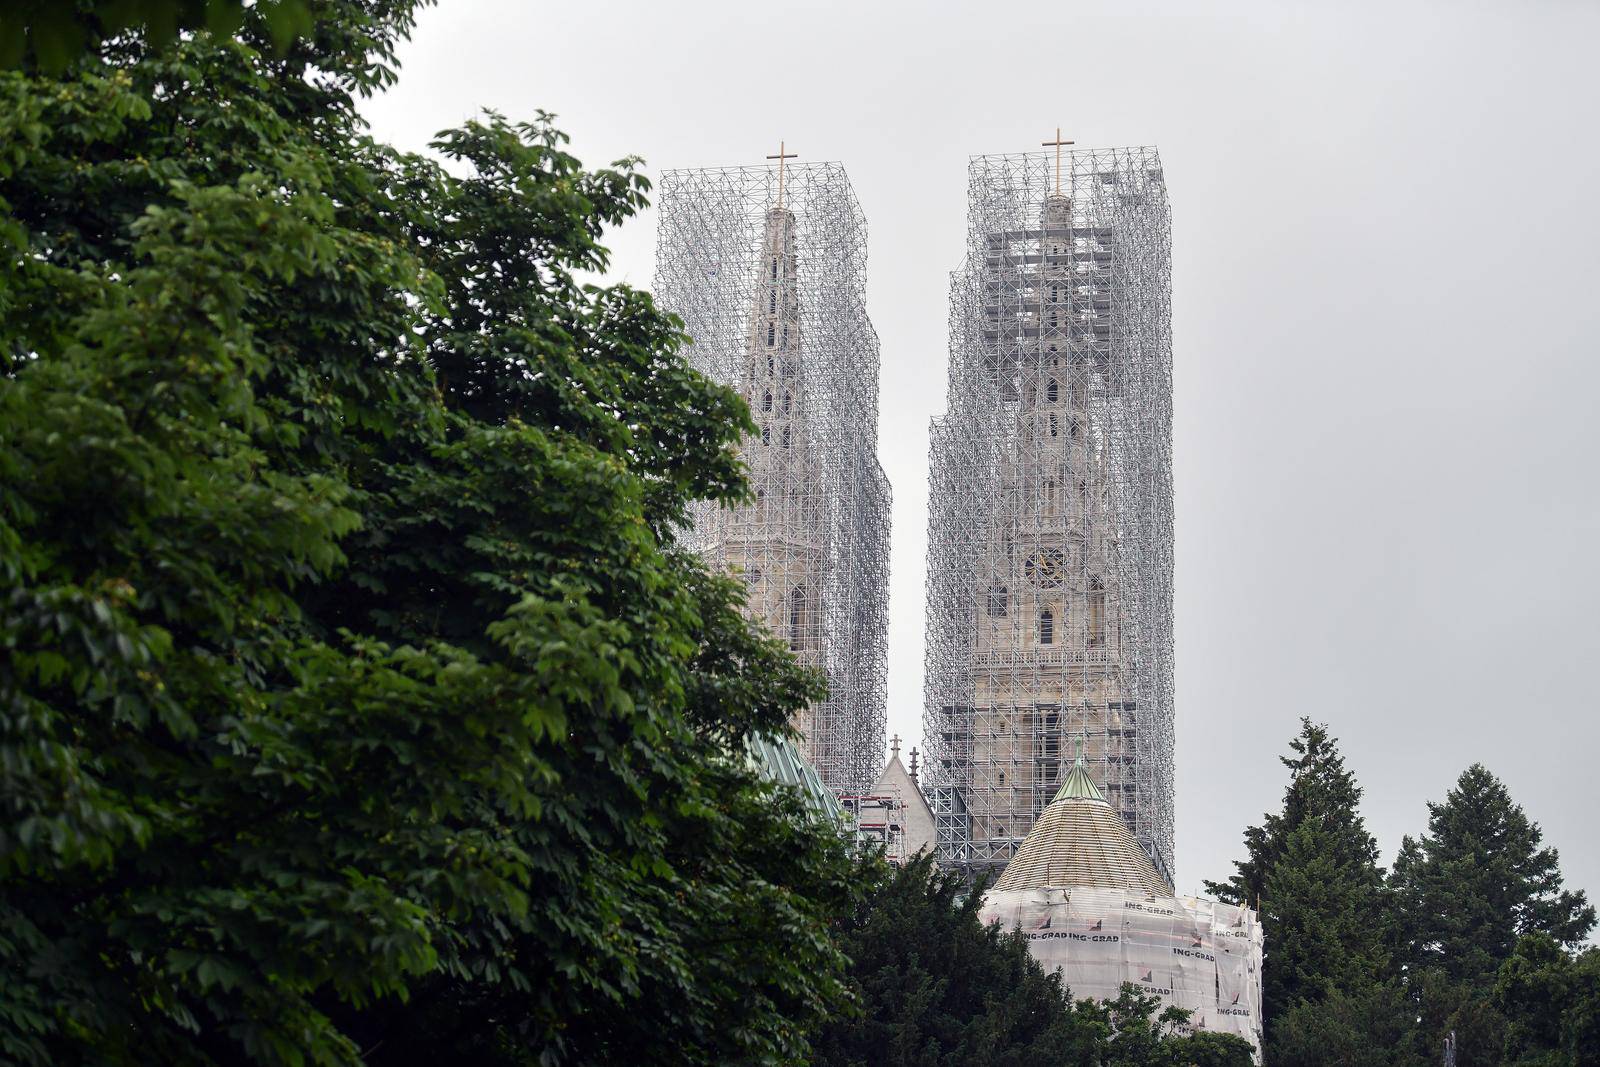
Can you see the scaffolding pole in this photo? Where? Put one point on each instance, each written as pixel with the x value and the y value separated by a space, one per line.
pixel 767 268
pixel 1050 531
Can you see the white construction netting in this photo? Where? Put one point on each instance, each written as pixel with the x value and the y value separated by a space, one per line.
pixel 1195 954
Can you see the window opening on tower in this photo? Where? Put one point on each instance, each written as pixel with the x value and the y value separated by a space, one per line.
pixel 1047 627
pixel 797 603
pixel 1097 613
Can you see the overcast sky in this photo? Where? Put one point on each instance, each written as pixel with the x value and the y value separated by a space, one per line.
pixel 1387 308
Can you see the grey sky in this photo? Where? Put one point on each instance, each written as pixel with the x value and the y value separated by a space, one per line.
pixel 1386 324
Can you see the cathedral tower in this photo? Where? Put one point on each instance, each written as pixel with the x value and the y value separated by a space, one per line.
pixel 777 544
pixel 1050 513
pixel 767 268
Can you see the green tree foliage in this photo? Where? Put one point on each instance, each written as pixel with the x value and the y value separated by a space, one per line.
pixel 1372 1026
pixel 356 702
pixel 1313 871
pixel 1478 880
pixel 935 987
pixel 1464 893
pixel 49 34
pixel 1553 1001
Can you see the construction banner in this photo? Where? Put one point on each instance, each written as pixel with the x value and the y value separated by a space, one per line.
pixel 1195 954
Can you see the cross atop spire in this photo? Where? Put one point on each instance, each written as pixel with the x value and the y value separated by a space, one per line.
pixel 783 155
pixel 894 745
pixel 1058 142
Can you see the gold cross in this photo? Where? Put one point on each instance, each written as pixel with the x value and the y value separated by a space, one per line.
pixel 1058 142
pixel 780 157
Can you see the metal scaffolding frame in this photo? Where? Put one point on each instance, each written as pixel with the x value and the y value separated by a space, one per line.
pixel 767 269
pixel 1050 533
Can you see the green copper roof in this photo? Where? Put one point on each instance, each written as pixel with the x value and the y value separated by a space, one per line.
pixel 781 761
pixel 1078 784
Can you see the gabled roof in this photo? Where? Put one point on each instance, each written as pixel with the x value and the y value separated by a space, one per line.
pixel 917 830
pixel 1080 840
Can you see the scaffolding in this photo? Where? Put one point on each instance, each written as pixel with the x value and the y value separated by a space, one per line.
pixel 1050 537
pixel 766 266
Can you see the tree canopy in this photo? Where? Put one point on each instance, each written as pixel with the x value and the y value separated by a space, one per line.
pixel 358 701
pixel 1468 895
pixel 1313 871
pixel 1479 879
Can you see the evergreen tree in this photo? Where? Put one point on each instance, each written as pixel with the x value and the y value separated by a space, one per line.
pixel 1464 894
pixel 1373 1026
pixel 1479 880
pixel 935 986
pixel 1313 871
pixel 1552 1000
pixel 356 701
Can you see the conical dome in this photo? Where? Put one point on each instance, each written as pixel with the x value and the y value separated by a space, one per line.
pixel 1079 840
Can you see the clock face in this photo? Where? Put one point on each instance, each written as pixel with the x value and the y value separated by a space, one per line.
pixel 1046 568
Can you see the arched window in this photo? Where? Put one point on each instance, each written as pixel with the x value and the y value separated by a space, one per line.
pixel 1072 427
pixel 1055 427
pixel 1051 392
pixel 772 302
pixel 1047 628
pixel 774 268
pixel 797 615
pixel 766 401
pixel 771 329
pixel 766 435
pixel 769 364
pixel 786 336
pixel 1097 613
pixel 998 601
pixel 784 439
pixel 786 403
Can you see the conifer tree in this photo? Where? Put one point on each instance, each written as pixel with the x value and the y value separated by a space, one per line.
pixel 1464 894
pixel 1552 1000
pixel 1477 881
pixel 1312 869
